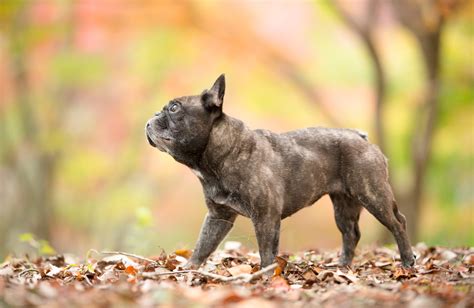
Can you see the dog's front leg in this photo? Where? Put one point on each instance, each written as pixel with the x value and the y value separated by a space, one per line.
pixel 217 224
pixel 267 229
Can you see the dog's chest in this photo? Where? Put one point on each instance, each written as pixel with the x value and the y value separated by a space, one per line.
pixel 215 191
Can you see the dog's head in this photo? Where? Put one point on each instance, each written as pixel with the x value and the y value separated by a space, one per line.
pixel 183 126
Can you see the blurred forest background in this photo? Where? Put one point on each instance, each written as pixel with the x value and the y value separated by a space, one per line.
pixel 79 79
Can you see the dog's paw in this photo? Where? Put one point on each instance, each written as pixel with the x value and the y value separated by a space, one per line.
pixel 409 263
pixel 191 266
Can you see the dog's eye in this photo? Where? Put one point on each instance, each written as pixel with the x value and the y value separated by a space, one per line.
pixel 174 108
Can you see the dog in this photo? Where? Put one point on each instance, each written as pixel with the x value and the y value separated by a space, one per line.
pixel 267 176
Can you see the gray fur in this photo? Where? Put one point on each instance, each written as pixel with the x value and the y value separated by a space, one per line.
pixel 267 176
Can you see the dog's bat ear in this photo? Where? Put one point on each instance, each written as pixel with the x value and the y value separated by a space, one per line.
pixel 215 96
pixel 219 87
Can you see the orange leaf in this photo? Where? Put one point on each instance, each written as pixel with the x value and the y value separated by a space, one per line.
pixel 277 272
pixel 131 270
pixel 185 253
pixel 281 266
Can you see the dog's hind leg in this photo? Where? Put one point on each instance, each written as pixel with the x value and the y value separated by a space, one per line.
pixel 347 213
pixel 381 203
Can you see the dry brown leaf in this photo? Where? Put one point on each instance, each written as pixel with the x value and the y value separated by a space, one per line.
pixel 339 278
pixel 279 283
pixel 383 264
pixel 403 273
pixel 120 266
pixel 325 274
pixel 300 282
pixel 349 276
pixel 310 276
pixel 448 255
pixel 240 269
pixel 171 263
pixel 468 259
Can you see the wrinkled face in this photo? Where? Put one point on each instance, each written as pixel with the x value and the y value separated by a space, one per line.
pixel 183 126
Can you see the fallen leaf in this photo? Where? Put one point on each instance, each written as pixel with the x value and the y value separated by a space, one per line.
pixel 181 261
pixel 383 264
pixel 281 266
pixel 448 255
pixel 130 270
pixel 303 281
pixel 349 276
pixel 108 275
pixel 253 257
pixel 310 276
pixel 185 253
pixel 53 271
pixel 468 259
pixel 403 273
pixel 339 278
pixel 171 263
pixel 240 269
pixel 279 283
pixel 6 270
pixel 325 274
pixel 120 266
pixel 126 261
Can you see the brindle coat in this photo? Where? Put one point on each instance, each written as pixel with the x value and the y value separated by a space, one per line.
pixel 267 176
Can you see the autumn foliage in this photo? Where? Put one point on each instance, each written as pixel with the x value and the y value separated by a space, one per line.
pixel 442 277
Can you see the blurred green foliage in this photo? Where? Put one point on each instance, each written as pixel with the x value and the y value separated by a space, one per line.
pixel 42 247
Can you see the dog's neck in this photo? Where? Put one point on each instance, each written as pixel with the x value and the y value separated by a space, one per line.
pixel 225 140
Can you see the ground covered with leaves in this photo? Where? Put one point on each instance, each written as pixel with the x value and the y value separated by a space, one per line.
pixel 231 277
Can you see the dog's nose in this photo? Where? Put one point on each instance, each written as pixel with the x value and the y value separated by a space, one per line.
pixel 148 124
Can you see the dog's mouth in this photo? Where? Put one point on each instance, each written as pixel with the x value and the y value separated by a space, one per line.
pixel 159 145
pixel 150 141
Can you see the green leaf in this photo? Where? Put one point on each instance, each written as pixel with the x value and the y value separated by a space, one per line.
pixel 144 217
pixel 45 248
pixel 26 237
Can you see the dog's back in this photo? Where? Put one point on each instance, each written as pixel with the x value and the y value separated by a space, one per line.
pixel 316 161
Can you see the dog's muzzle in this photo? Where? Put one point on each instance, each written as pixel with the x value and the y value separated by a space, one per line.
pixel 147 128
pixel 161 120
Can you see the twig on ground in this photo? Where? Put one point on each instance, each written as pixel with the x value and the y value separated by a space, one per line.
pixel 129 255
pixel 244 277
pixel 28 270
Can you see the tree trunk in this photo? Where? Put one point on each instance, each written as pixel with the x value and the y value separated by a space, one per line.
pixel 425 21
pixel 423 137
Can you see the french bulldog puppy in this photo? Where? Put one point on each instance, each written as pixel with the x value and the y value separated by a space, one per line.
pixel 267 176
